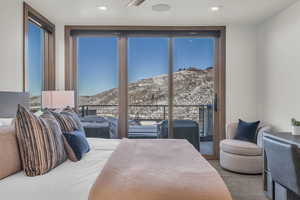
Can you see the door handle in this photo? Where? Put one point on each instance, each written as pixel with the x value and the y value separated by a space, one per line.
pixel 216 102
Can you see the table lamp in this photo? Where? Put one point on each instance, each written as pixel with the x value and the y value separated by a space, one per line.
pixel 57 99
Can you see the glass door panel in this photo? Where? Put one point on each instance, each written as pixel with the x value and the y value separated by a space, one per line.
pixel 193 90
pixel 148 62
pixel 35 65
pixel 97 86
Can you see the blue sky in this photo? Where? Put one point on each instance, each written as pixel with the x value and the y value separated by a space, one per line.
pixel 147 57
pixel 35 61
pixel 98 59
pixel 97 65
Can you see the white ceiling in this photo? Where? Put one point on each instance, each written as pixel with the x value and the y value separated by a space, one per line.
pixel 183 12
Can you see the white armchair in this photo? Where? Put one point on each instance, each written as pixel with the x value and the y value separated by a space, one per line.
pixel 242 156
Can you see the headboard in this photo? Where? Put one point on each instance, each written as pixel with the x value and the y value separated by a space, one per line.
pixel 9 103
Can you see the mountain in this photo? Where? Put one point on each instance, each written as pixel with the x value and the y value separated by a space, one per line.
pixel 35 102
pixel 192 86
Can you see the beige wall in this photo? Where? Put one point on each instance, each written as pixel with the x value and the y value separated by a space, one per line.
pixel 60 56
pixel 279 68
pixel 240 70
pixel 241 73
pixel 11 46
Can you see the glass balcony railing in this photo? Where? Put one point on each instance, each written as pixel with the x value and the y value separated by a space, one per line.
pixel 144 115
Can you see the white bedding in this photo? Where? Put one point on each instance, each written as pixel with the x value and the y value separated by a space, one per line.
pixel 69 181
pixel 6 121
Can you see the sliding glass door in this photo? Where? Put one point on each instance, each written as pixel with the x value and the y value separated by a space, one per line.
pixel 148 66
pixel 193 90
pixel 153 85
pixel 97 72
pixel 185 65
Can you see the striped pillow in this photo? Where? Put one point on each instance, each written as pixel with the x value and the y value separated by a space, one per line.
pixel 41 145
pixel 66 122
pixel 54 125
pixel 75 117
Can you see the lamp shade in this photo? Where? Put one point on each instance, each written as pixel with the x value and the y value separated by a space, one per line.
pixel 57 99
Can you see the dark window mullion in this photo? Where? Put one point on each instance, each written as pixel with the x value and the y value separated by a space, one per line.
pixel 170 84
pixel 123 87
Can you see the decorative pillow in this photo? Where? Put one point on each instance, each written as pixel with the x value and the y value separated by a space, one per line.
pixel 55 127
pixel 71 113
pixel 66 122
pixel 40 146
pixel 247 131
pixel 10 161
pixel 78 143
pixel 70 153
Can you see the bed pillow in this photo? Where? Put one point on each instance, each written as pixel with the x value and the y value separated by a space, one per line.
pixel 9 152
pixel 66 122
pixel 40 145
pixel 247 131
pixel 78 143
pixel 74 115
pixel 6 121
pixel 55 127
pixel 70 153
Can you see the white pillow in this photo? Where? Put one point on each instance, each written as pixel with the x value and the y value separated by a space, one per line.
pixel 6 121
pixel 38 113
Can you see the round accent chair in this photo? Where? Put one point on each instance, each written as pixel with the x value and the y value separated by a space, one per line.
pixel 242 156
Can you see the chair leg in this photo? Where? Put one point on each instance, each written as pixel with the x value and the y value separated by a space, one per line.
pixel 273 190
pixel 280 192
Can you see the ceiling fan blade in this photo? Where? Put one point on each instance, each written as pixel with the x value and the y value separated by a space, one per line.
pixel 135 3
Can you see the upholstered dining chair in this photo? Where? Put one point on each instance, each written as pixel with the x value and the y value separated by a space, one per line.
pixel 284 172
pixel 242 156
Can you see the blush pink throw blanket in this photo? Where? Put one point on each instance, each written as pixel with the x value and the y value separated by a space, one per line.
pixel 158 170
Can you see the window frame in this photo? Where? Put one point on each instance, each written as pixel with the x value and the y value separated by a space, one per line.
pixel 219 32
pixel 31 15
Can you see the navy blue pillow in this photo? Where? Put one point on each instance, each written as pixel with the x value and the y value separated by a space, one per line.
pixel 247 131
pixel 78 143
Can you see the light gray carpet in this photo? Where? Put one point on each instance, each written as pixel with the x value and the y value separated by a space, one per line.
pixel 242 187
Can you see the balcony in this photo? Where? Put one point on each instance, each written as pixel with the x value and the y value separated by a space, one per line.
pixel 143 119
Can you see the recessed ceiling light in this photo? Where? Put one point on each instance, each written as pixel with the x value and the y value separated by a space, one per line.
pixel 215 8
pixel 161 7
pixel 102 7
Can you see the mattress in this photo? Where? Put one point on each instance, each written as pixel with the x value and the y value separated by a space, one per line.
pixel 70 180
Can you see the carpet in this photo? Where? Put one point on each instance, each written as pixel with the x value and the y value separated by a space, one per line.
pixel 242 187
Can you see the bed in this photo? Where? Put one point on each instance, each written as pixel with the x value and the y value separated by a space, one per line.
pixel 70 180
pixel 116 169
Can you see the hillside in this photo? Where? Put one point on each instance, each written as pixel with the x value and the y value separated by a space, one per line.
pixel 191 87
